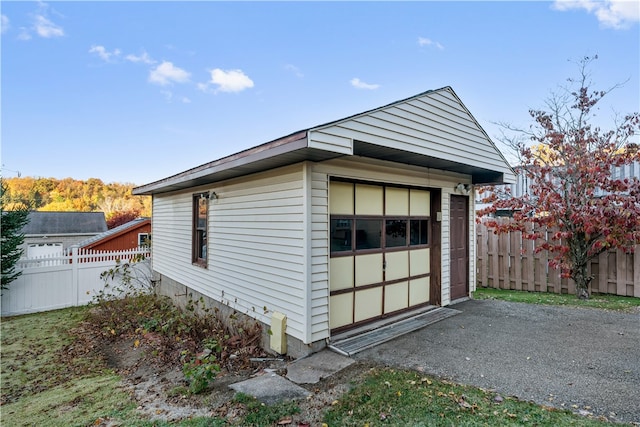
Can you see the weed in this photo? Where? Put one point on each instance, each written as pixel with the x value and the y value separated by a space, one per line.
pixel 126 278
pixel 178 391
pixel 201 369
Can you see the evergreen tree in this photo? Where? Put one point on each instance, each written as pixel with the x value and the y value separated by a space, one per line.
pixel 14 217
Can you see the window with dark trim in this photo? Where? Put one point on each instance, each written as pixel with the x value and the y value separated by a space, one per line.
pixel 200 220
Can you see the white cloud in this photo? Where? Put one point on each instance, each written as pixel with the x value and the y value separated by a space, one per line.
pixel 167 73
pixel 143 58
pixel 103 53
pixel 41 24
pixel 295 70
pixel 227 81
pixel 359 84
pixel 616 14
pixel 45 28
pixel 186 100
pixel 24 34
pixel 5 24
pixel 423 41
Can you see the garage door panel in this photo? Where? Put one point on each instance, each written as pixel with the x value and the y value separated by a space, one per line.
pixel 368 304
pixel 396 297
pixel 419 203
pixel 397 201
pixel 341 198
pixel 341 310
pixel 419 291
pixel 368 269
pixel 369 200
pixel 397 265
pixel 341 270
pixel 420 262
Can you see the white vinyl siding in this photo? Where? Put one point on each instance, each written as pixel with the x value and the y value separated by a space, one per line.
pixel 319 320
pixel 472 244
pixel 257 254
pixel 445 248
pixel 435 124
pixel 330 142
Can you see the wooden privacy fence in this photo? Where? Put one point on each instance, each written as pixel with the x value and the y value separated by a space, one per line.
pixel 507 261
pixel 59 281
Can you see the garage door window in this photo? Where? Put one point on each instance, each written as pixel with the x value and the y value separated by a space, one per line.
pixel 419 232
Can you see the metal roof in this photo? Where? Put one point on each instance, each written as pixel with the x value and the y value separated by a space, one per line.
pixel 57 223
pixel 294 148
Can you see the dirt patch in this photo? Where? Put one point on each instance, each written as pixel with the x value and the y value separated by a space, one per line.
pixel 156 382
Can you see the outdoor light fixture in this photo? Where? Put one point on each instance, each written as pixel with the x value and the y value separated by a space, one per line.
pixel 463 188
pixel 213 195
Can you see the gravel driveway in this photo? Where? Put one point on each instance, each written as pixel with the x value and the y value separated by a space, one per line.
pixel 574 358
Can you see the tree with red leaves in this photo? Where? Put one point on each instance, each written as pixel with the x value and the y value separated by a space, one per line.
pixel 122 217
pixel 572 189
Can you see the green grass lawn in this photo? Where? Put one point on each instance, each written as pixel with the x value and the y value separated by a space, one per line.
pixel 40 386
pixel 601 301
pixel 405 398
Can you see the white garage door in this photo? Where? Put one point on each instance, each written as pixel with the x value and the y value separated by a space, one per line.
pixel 38 250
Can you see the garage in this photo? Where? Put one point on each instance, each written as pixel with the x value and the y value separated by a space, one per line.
pixel 332 227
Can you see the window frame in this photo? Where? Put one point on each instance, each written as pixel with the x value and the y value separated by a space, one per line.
pixel 199 238
pixel 147 239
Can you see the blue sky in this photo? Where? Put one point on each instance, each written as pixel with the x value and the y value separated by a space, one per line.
pixel 138 91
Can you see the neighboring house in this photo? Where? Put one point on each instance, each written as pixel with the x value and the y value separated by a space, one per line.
pixel 522 185
pixel 49 233
pixel 334 226
pixel 131 235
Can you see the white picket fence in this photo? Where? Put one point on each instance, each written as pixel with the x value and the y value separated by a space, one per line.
pixel 59 281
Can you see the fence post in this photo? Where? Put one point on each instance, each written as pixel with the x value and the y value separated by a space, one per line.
pixel 636 271
pixel 621 272
pixel 75 279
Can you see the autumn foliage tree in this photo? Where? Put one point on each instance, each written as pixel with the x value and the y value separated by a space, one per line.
pixel 68 194
pixel 572 188
pixel 122 217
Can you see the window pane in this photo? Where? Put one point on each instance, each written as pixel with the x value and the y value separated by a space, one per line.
pixel 143 239
pixel 202 244
pixel 341 235
pixel 396 233
pixel 202 213
pixel 368 233
pixel 419 232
